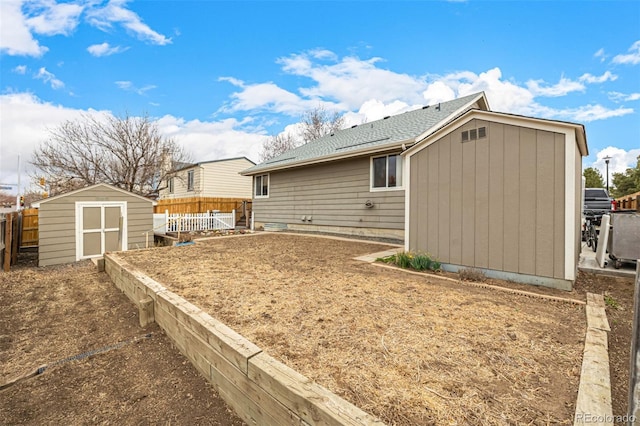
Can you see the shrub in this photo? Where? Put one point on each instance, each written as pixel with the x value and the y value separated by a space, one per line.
pixel 403 259
pixel 421 262
pixel 472 274
pixel 409 260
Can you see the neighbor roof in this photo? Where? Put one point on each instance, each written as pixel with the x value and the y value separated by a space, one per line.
pixel 183 166
pixel 380 135
pixel 89 188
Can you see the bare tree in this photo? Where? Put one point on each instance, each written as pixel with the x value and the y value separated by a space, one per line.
pixel 315 124
pixel 127 152
pixel 319 122
pixel 277 145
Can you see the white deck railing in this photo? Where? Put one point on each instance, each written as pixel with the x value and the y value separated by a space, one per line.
pixel 185 222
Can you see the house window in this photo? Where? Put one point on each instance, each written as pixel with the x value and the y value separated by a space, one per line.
pixel 190 180
pixel 170 185
pixel 386 172
pixel 261 186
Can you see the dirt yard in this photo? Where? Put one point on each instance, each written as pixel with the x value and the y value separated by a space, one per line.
pixel 409 349
pixel 54 313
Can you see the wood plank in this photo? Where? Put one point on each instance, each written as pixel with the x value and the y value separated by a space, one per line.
pixel 7 242
pixel 559 209
pixel 145 311
pixel 444 200
pixel 545 204
pixel 528 188
pixel 431 191
pixel 511 235
pixel 313 403
pixel 455 213
pixel 468 203
pixel 241 393
pixel 233 346
pixel 498 206
pixel 481 227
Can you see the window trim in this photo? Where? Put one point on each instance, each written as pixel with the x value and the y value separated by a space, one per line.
pixel 170 185
pixel 399 173
pixel 255 177
pixel 191 178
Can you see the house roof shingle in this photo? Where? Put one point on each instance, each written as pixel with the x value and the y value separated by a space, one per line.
pixel 383 133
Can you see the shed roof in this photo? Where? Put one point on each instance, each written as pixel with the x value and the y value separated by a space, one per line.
pixel 89 188
pixel 379 135
pixel 534 122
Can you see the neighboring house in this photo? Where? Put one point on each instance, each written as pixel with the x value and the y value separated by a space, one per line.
pixel 218 179
pixel 474 188
pixel 88 222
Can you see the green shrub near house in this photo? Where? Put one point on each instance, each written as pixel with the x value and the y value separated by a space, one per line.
pixel 411 260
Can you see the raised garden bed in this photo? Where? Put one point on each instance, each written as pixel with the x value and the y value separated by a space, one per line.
pixel 408 349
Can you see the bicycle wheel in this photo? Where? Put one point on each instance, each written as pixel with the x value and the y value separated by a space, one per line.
pixel 593 237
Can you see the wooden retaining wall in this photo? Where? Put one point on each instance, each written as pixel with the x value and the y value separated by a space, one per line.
pixel 261 390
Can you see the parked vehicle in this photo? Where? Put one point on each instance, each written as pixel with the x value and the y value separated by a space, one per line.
pixel 597 202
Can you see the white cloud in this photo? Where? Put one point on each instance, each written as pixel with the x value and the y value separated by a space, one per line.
pixel 129 87
pixel 352 81
pixel 25 121
pixel 267 96
pixel 213 140
pixel 105 49
pixel 620 161
pixel 438 92
pixel 115 12
pixel 589 113
pixel 20 69
pixel 618 97
pixel 15 35
pixel 600 55
pixel 350 84
pixel 51 18
pixel 607 76
pixel 632 58
pixel 562 88
pixel 21 19
pixel 48 77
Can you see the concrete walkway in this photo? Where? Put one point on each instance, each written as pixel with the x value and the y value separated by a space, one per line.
pixel 589 264
pixel 373 256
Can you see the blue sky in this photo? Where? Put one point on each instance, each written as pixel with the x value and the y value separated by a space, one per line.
pixel 221 77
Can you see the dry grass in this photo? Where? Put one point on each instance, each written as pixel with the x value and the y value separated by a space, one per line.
pixel 411 350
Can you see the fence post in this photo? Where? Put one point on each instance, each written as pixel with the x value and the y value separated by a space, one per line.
pixel 252 220
pixel 166 220
pixel 7 242
pixel 233 219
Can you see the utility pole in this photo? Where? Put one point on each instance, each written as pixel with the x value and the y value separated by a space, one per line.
pixel 18 195
pixel 606 160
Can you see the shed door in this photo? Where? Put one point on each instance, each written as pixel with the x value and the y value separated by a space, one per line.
pixel 100 228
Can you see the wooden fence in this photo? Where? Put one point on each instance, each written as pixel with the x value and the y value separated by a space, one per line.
pixel 629 202
pixel 199 205
pixel 29 229
pixel 9 225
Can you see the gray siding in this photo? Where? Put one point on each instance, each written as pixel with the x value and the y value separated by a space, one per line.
pixel 495 203
pixel 334 194
pixel 57 226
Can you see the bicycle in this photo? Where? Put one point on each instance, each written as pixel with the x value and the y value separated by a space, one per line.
pixel 590 232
